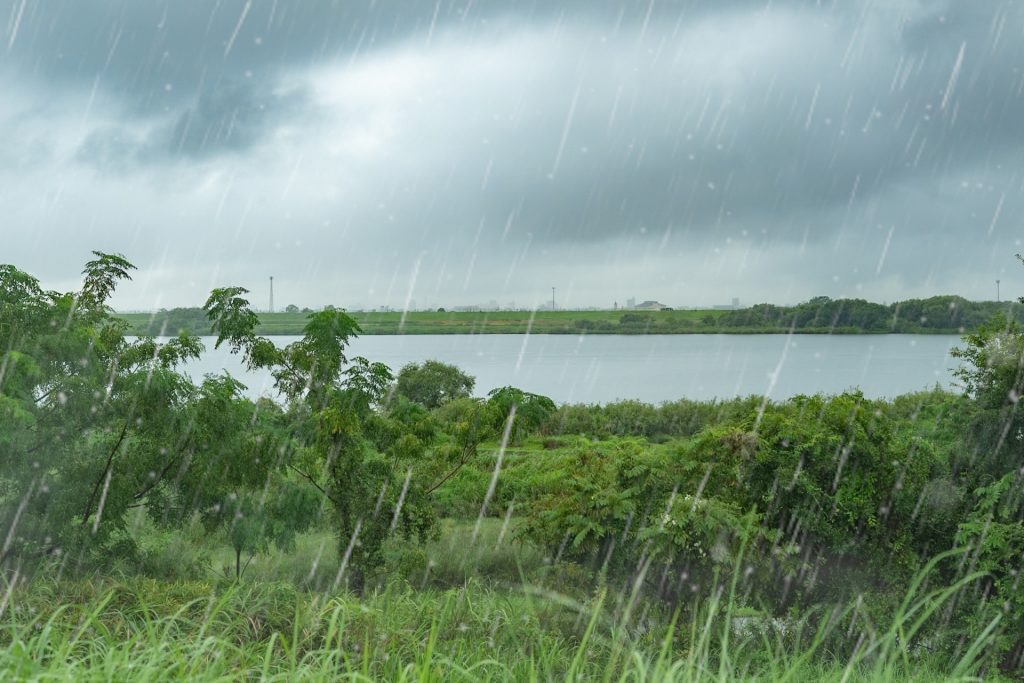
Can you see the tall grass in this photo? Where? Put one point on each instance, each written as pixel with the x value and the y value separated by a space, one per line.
pixel 148 630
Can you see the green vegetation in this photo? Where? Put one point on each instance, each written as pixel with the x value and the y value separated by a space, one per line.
pixel 433 383
pixel 193 321
pixel 935 315
pixel 372 527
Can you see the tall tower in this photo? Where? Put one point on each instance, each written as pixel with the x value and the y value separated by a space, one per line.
pixel 271 293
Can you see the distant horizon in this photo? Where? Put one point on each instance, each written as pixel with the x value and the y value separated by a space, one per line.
pixel 461 308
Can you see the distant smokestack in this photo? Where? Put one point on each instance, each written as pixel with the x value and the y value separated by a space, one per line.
pixel 271 293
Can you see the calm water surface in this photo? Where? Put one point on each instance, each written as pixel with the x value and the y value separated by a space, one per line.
pixel 655 368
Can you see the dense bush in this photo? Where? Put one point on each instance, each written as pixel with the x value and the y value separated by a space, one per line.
pixel 634 418
pixel 829 499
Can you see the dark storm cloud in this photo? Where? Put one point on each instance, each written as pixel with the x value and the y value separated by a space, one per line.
pixel 635 139
pixel 832 134
pixel 230 118
pixel 200 61
pixel 140 47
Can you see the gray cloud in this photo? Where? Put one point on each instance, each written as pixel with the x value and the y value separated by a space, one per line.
pixel 231 118
pixel 785 148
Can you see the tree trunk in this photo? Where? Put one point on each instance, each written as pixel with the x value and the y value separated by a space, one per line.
pixel 238 564
pixel 106 468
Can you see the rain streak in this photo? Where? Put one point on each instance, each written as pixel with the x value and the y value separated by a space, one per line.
pixel 468 340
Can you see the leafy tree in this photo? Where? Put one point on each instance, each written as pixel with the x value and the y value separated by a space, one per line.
pixel 93 425
pixel 338 426
pixel 433 383
pixel 230 469
pixel 465 423
pixel 525 412
pixel 846 487
pixel 85 414
pixel 993 379
pixel 254 520
pixel 995 530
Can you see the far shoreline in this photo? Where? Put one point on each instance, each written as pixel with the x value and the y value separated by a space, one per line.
pixel 943 315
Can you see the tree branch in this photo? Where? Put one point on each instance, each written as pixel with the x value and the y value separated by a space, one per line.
pixel 313 482
pixel 158 478
pixel 466 455
pixel 252 556
pixel 96 487
pixel 43 397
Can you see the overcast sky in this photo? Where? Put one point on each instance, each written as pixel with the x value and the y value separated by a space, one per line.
pixel 372 152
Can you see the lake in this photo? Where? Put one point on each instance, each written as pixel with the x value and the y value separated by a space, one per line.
pixel 654 368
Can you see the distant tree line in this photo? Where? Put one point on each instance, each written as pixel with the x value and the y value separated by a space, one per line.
pixel 937 315
pixel 949 314
pixel 176 320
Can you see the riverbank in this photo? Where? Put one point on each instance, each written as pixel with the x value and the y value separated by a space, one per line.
pixel 707 321
pixel 453 322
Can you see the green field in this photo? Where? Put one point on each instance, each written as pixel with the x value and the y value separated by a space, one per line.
pixel 485 322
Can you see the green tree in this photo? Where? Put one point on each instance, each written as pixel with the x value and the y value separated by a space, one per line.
pixel 338 426
pixel 525 412
pixel 254 520
pixel 433 383
pixel 465 423
pixel 993 470
pixel 85 414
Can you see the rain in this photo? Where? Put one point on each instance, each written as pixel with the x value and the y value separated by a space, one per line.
pixel 481 341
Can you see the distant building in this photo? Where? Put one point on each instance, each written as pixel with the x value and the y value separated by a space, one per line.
pixel 650 306
pixel 631 302
pixel 734 306
pixel 466 309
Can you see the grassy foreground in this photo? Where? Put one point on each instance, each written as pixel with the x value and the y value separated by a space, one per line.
pixel 146 630
pixel 486 610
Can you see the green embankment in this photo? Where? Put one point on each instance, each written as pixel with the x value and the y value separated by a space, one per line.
pixel 821 315
pixel 423 322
